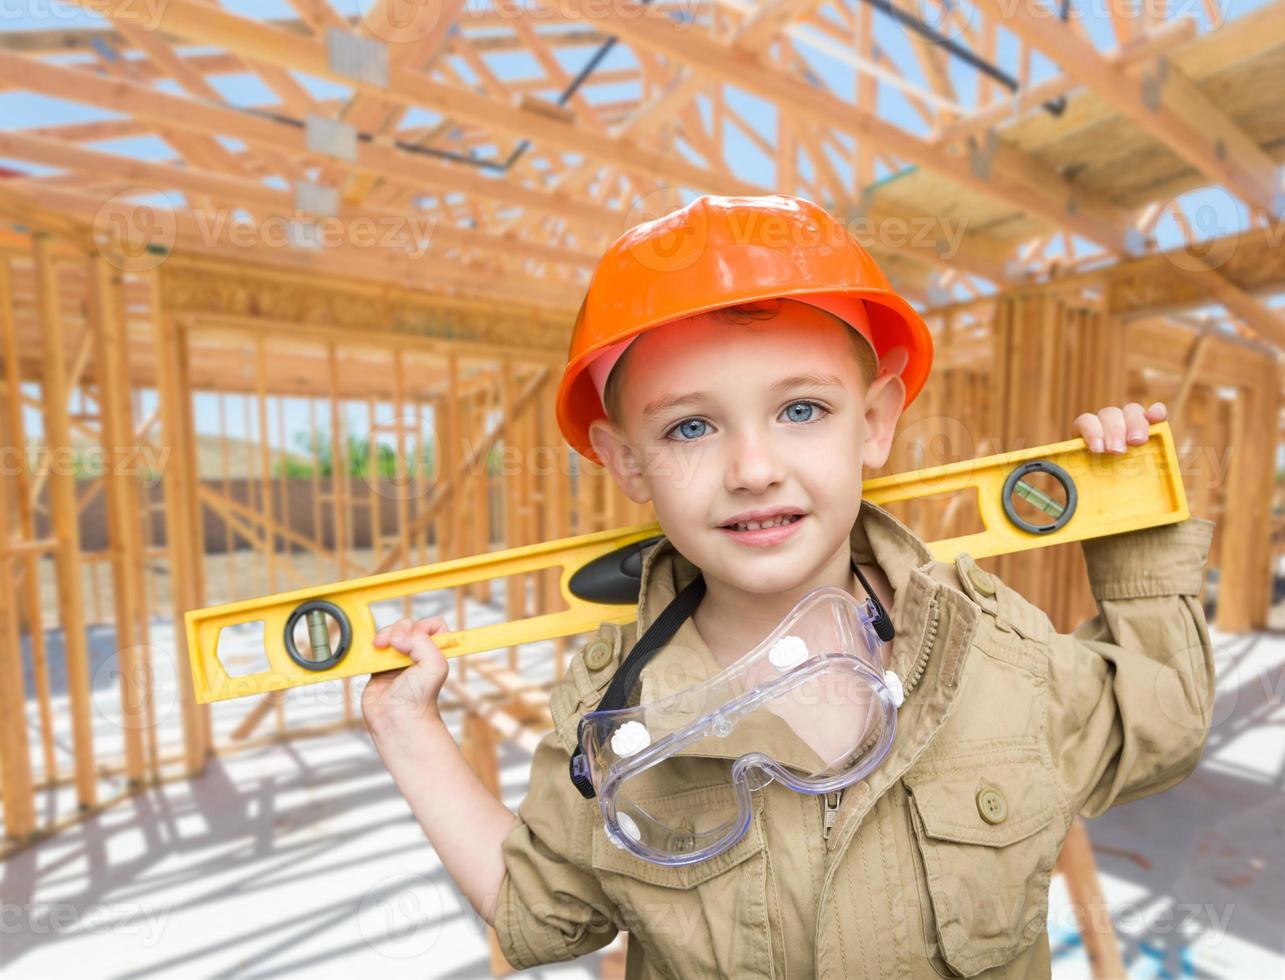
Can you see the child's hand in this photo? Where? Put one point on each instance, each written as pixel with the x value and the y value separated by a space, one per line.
pixel 1110 428
pixel 393 698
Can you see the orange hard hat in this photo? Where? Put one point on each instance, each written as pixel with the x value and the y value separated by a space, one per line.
pixel 721 251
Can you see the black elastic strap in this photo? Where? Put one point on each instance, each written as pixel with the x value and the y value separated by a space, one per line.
pixel 660 632
pixel 882 622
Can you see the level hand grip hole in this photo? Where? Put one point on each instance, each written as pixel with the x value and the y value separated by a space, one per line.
pixel 240 649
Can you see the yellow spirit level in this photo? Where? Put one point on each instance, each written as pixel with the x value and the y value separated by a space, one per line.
pixel 325 632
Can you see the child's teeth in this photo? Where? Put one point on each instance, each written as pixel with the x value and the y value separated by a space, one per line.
pixel 756 525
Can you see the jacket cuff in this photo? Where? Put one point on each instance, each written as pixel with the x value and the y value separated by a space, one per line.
pixel 1154 561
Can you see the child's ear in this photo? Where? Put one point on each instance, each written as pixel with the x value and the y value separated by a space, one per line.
pixel 884 400
pixel 620 459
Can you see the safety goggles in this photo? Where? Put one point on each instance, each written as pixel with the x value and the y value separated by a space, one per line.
pixel 810 707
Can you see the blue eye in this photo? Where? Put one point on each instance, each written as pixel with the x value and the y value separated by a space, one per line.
pixel 686 428
pixel 806 416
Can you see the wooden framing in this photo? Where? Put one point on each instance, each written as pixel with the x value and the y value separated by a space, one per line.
pixel 62 502
pixel 1031 238
pixel 121 347
pixel 1002 174
pixel 130 616
pixel 16 789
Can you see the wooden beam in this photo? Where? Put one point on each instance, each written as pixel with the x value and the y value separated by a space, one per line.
pixel 1159 99
pixel 124 541
pixel 254 521
pixel 443 490
pixel 378 159
pixel 1194 359
pixel 192 234
pixel 180 527
pixel 244 191
pixel 212 26
pixel 68 41
pixel 768 20
pixel 62 501
pixel 1164 345
pixel 17 436
pixel 16 786
pixel 339 487
pixel 196 146
pixel 978 254
pixel 416 42
pixel 1009 175
pixel 1079 872
pixel 1264 321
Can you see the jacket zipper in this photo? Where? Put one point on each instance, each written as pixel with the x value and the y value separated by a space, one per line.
pixel 830 814
pixel 916 671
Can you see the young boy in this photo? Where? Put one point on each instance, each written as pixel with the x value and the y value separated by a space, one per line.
pixel 737 363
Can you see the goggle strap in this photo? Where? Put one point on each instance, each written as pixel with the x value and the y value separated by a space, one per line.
pixel 660 632
pixel 882 623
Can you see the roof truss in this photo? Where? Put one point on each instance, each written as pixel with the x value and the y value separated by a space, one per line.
pixel 526 134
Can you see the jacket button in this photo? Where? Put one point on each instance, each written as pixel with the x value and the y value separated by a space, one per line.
pixel 597 655
pixel 982 580
pixel 992 806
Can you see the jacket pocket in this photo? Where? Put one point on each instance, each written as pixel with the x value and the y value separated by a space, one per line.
pixel 709 918
pixel 983 827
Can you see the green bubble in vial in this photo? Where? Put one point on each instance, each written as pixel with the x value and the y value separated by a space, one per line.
pixel 1038 498
pixel 318 635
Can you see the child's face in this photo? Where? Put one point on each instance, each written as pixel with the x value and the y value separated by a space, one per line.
pixel 772 414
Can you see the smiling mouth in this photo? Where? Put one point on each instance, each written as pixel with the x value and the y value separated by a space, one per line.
pixel 757 525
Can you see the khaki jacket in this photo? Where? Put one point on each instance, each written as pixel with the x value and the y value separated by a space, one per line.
pixel 1002 716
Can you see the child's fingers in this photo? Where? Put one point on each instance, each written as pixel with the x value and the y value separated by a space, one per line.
pixel 1157 412
pixel 1135 424
pixel 418 646
pixel 1112 428
pixel 384 636
pixel 429 625
pixel 1089 426
pixel 422 649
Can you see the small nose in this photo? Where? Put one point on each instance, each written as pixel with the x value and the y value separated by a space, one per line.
pixel 753 466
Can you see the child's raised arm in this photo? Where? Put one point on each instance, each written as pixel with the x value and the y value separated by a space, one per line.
pixel 464 823
pixel 1132 689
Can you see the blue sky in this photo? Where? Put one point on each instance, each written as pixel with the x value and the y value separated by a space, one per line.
pixel 1215 212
